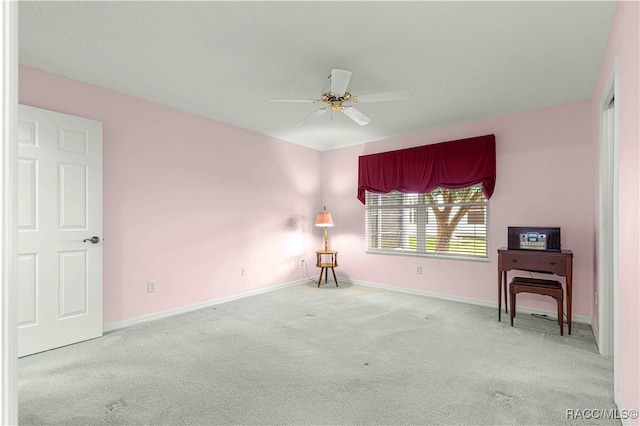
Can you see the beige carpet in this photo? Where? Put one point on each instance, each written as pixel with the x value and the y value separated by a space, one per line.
pixel 307 355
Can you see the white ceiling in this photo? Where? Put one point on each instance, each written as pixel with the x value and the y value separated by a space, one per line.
pixel 461 61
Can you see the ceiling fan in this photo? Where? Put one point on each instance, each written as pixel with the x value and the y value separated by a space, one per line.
pixel 338 99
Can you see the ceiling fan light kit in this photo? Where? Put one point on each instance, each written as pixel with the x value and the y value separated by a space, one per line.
pixel 338 97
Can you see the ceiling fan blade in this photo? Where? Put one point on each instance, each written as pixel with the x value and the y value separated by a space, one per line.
pixel 339 81
pixel 299 101
pixel 396 95
pixel 317 113
pixel 356 115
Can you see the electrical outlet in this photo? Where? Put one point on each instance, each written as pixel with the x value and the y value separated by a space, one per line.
pixel 244 271
pixel 302 262
pixel 418 270
pixel 151 286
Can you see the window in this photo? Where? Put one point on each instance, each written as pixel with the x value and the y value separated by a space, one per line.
pixel 444 222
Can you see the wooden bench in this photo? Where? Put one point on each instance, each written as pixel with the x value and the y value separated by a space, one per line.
pixel 537 286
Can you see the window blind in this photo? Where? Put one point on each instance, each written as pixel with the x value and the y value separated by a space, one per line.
pixel 444 222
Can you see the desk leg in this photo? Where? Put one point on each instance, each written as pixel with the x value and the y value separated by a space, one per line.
pixel 502 285
pixel 569 288
pixel 504 289
pixel 499 294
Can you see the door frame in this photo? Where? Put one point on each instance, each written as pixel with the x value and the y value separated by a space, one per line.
pixel 8 214
pixel 607 299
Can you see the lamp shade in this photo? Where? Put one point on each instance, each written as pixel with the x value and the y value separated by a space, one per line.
pixel 324 218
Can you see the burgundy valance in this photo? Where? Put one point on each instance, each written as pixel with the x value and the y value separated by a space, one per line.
pixel 451 165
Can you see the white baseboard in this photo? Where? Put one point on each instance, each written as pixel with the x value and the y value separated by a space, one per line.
pixel 575 318
pixel 625 418
pixel 116 325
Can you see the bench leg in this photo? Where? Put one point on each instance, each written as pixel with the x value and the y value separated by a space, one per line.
pixel 560 316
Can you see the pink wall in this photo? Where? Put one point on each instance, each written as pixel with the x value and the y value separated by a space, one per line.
pixel 188 201
pixel 541 181
pixel 624 43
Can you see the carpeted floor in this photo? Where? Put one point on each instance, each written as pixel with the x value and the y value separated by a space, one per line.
pixel 307 355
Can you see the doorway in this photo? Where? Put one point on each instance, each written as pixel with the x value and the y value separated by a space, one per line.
pixel 607 291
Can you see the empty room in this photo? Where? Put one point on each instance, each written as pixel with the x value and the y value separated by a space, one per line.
pixel 317 212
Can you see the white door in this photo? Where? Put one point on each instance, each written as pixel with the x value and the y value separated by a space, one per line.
pixel 59 211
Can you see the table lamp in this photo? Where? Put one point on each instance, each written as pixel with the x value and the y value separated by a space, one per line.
pixel 324 220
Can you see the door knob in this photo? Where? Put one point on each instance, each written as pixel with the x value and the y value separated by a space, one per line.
pixel 94 240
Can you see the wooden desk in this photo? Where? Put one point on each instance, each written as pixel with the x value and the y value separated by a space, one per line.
pixel 327 259
pixel 559 263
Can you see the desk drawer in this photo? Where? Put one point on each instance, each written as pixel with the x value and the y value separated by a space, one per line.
pixel 520 261
pixel 554 264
